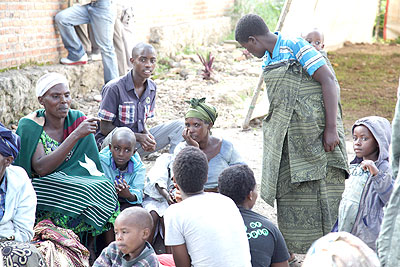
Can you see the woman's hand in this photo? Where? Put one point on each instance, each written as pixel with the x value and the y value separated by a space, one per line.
pixel 88 126
pixel 147 141
pixel 189 140
pixel 370 166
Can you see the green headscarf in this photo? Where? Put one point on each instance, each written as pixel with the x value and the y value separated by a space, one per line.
pixel 199 109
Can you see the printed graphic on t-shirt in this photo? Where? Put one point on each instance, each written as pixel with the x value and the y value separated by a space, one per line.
pixel 256 229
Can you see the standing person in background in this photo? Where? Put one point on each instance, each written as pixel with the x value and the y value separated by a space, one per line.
pixel 101 16
pixel 304 159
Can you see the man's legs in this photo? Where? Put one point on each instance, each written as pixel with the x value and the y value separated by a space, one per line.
pixel 102 17
pixel 166 133
pixel 66 20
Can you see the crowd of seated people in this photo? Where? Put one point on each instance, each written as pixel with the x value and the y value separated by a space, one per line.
pixel 74 190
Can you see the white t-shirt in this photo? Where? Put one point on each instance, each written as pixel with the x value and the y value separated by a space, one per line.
pixel 211 227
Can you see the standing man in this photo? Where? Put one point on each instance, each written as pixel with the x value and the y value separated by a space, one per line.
pixel 101 15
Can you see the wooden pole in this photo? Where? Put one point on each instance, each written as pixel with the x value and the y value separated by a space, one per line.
pixel 253 102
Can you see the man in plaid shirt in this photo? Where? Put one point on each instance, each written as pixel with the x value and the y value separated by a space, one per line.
pixel 130 100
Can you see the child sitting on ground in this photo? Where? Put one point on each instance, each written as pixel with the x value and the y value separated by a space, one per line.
pixel 157 191
pixel 204 229
pixel 132 228
pixel 370 183
pixel 267 246
pixel 124 167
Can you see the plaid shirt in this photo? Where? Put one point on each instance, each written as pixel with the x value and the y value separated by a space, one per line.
pixel 112 256
pixel 3 190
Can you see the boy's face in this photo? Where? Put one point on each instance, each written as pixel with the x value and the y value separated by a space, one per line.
pixel 364 143
pixel 254 47
pixel 130 239
pixel 144 62
pixel 316 39
pixel 122 150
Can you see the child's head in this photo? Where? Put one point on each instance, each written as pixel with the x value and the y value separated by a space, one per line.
pixel 371 138
pixel 249 29
pixel 122 146
pixel 340 249
pixel 132 228
pixel 190 170
pixel 316 38
pixel 238 183
pixel 143 60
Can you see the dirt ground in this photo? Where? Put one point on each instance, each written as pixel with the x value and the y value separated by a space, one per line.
pixel 235 78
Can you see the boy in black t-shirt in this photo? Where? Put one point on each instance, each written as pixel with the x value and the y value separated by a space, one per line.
pixel 267 246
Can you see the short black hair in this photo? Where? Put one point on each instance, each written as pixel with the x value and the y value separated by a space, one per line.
pixel 236 182
pixel 250 25
pixel 141 46
pixel 191 169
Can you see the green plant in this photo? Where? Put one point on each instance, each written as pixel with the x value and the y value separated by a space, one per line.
pixel 269 10
pixel 207 63
pixel 162 67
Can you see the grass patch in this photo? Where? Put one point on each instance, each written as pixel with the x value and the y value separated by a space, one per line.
pixel 368 84
pixel 27 64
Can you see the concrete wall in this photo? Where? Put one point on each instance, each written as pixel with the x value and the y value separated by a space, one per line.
pixel 28 33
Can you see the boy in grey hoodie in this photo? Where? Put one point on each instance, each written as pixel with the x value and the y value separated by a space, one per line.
pixel 371 180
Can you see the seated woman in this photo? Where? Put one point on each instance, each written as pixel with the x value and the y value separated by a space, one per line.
pixel 17 207
pixel 220 153
pixel 59 152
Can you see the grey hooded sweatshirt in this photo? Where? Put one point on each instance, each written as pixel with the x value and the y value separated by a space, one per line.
pixel 361 208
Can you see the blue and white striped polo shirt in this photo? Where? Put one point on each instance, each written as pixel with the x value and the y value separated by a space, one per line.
pixel 294 49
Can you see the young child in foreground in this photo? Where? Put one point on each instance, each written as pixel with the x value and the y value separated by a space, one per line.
pixel 124 167
pixel 132 228
pixel 267 246
pixel 370 183
pixel 204 229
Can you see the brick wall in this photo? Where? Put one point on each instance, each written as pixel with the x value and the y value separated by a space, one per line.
pixel 28 33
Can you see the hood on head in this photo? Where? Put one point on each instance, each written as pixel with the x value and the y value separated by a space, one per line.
pixel 382 132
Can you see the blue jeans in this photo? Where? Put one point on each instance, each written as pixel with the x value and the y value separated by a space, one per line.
pixel 101 15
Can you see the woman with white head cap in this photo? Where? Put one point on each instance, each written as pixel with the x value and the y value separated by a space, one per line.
pixel 59 152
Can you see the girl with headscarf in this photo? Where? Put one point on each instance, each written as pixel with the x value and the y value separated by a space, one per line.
pixel 17 206
pixel 59 152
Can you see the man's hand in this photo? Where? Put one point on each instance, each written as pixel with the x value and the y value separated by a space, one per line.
pixel 189 140
pixel 147 141
pixel 330 139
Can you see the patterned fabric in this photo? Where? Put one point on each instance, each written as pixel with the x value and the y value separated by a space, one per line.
pixel 199 109
pixel 77 188
pixel 106 115
pixel 9 142
pixel 306 181
pixel 59 246
pixel 296 116
pixel 49 144
pixel 3 190
pixel 310 210
pixel 17 254
pixel 112 256
pixel 286 50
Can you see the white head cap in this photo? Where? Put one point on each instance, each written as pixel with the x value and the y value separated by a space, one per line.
pixel 47 81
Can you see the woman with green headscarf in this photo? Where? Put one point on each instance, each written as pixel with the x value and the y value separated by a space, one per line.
pixel 220 153
pixel 199 120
